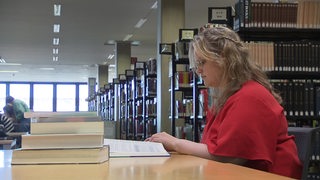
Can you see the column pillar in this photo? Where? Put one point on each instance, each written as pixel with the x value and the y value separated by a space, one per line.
pixel 103 73
pixel 122 62
pixel 122 56
pixel 171 18
pixel 91 87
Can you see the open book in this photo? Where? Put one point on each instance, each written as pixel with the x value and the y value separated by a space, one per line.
pixel 129 148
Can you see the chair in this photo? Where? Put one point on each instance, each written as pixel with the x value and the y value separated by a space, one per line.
pixel 304 139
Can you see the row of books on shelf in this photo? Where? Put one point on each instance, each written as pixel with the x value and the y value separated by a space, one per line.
pixel 59 138
pixel 303 14
pixel 286 56
pixel 301 97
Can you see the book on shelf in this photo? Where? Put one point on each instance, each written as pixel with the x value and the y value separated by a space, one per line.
pixel 58 141
pixel 60 156
pixel 72 127
pixel 131 148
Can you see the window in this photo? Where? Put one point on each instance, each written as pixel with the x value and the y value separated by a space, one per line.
pixel 43 97
pixel 66 97
pixel 20 91
pixel 2 96
pixel 83 94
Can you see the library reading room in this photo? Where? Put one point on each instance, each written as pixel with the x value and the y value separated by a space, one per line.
pixel 160 89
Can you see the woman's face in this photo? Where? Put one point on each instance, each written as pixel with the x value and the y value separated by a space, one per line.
pixel 209 71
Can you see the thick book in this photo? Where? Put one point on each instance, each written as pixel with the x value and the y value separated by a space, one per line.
pixel 32 114
pixel 72 127
pixel 57 141
pixel 60 156
pixel 67 119
pixel 130 148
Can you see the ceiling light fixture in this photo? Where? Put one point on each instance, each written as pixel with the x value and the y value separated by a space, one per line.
pixel 140 23
pixel 56 41
pixel 110 56
pixel 47 69
pixel 55 51
pixel 8 71
pixel 155 5
pixel 2 60
pixel 55 58
pixel 10 64
pixel 56 28
pixel 57 10
pixel 128 36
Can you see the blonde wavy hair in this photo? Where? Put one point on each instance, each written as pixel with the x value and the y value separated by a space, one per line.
pixel 224 46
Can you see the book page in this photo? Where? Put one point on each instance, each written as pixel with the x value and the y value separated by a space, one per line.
pixel 129 148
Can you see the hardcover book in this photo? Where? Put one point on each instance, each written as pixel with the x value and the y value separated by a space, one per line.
pixel 40 127
pixel 58 141
pixel 55 114
pixel 60 156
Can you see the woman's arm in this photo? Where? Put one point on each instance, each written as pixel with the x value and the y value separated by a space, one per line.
pixel 192 148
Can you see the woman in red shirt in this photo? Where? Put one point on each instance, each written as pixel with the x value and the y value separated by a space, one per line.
pixel 246 125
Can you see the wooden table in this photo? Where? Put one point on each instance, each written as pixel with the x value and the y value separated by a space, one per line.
pixel 177 167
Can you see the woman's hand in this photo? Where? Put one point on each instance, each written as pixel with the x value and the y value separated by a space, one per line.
pixel 166 139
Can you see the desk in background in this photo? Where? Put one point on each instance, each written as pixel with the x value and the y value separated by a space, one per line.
pixel 150 168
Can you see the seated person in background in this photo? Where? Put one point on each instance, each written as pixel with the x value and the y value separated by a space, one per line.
pixel 6 125
pixel 19 108
pixel 246 125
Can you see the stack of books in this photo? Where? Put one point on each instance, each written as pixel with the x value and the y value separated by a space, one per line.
pixel 62 139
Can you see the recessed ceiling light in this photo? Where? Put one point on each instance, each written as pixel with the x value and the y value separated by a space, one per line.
pixel 56 28
pixel 155 5
pixel 8 71
pixel 47 69
pixel 55 51
pixel 56 41
pixel 110 56
pixel 128 36
pixel 10 64
pixel 135 43
pixel 110 42
pixel 2 60
pixel 57 10
pixel 140 23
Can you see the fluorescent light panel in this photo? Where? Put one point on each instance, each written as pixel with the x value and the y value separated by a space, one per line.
pixel 128 36
pixel 56 41
pixel 110 56
pixel 57 9
pixel 10 64
pixel 56 28
pixel 2 60
pixel 155 5
pixel 47 69
pixel 8 71
pixel 55 58
pixel 140 23
pixel 55 51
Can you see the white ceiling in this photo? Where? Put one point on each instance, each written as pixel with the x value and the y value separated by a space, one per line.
pixel 26 34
